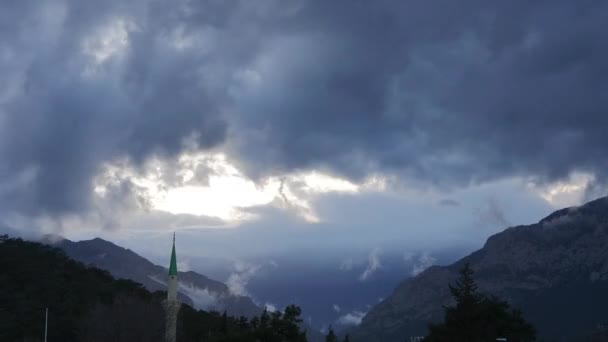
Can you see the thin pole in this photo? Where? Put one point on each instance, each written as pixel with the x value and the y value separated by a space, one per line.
pixel 46 323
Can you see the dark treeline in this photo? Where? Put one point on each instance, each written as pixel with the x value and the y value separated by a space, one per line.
pixel 88 304
pixel 478 318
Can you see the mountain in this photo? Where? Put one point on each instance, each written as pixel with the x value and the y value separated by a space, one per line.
pixel 555 271
pixel 39 284
pixel 194 289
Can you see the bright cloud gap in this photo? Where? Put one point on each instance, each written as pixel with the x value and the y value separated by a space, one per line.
pixel 210 185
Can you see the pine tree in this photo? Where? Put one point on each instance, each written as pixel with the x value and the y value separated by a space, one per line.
pixel 224 323
pixel 331 336
pixel 477 318
pixel 87 304
pixel 465 289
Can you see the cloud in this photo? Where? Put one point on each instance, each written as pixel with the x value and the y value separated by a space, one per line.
pixel 372 266
pixel 347 264
pixel 82 103
pixel 577 188
pixel 238 280
pixel 448 202
pixel 420 262
pixel 202 298
pixel 270 307
pixel 351 318
pixel 336 308
pixel 446 94
pixel 489 92
pixel 184 264
pixel 491 214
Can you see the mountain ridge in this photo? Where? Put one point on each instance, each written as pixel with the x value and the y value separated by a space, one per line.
pixel 195 289
pixel 552 262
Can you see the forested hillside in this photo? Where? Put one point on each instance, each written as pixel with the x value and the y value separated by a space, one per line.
pixel 125 263
pixel 87 304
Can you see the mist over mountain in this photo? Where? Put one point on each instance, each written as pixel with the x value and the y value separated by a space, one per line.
pixel 44 293
pixel 331 289
pixel 339 291
pixel 555 271
pixel 195 289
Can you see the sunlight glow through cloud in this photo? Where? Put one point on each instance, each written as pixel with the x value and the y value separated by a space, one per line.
pixel 318 182
pixel 210 185
pixel 566 193
pixel 221 198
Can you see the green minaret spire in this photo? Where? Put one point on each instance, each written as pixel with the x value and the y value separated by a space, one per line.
pixel 173 265
pixel 172 304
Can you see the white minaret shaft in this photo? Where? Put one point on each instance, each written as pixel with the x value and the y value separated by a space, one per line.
pixel 172 306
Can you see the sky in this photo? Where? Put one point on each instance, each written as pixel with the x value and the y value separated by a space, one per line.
pixel 323 131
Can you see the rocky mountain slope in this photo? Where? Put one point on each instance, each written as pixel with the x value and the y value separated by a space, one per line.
pixel 555 271
pixel 195 289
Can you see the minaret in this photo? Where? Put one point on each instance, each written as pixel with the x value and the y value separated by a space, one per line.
pixel 172 292
pixel 172 304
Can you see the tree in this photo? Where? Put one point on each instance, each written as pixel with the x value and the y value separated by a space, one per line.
pixel 291 324
pixel 224 323
pixel 87 304
pixel 331 336
pixel 346 338
pixel 477 318
pixel 465 289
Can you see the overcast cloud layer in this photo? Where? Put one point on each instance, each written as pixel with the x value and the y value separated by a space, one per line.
pixel 443 92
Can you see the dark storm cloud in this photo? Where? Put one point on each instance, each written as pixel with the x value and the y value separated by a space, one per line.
pixel 446 92
pixel 70 115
